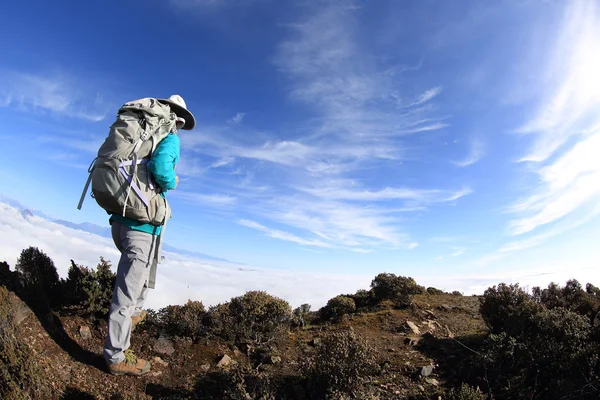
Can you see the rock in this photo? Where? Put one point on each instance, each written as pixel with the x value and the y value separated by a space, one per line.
pixel 445 307
pixel 316 341
pixel 432 381
pixel 426 370
pixel 275 359
pixel 85 332
pixel 413 327
pixel 22 312
pixel 159 361
pixel 205 367
pixel 412 340
pixel 430 314
pixel 237 353
pixel 449 332
pixel 225 361
pixel 164 346
pixel 247 348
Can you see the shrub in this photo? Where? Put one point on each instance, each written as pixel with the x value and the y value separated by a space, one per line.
pixel 218 322
pixel 434 291
pixel 91 289
pixel 39 275
pixel 507 308
pixel 239 383
pixel 558 338
pixel 337 307
pixel 466 392
pixel 456 293
pixel 255 316
pixel 300 315
pixel 572 296
pixel 340 366
pixel 388 286
pixel 185 321
pixel 20 375
pixel 363 298
pixel 553 349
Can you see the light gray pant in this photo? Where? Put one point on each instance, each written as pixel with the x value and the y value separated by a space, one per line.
pixel 137 255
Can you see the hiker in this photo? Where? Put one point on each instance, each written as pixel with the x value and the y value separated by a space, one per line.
pixel 134 169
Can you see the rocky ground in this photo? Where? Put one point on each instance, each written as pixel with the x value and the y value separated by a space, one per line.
pixel 417 349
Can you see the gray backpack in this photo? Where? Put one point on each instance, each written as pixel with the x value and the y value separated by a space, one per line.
pixel 122 163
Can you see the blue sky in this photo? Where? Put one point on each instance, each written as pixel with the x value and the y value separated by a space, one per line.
pixel 423 138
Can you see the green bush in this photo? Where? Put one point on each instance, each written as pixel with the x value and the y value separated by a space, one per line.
pixel 90 289
pixel 39 275
pixel 507 308
pixel 339 367
pixel 255 316
pixel 301 315
pixel 571 296
pixel 545 342
pixel 238 383
pixel 20 375
pixel 337 307
pixel 466 392
pixel 388 286
pixel 185 321
pixel 363 299
pixel 434 291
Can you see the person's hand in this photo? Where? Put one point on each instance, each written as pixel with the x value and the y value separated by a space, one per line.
pixel 176 182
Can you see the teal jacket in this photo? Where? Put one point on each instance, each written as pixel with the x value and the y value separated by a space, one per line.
pixel 162 167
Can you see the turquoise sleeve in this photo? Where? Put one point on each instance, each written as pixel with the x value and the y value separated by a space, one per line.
pixel 163 162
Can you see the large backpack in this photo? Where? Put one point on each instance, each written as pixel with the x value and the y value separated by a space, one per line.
pixel 121 166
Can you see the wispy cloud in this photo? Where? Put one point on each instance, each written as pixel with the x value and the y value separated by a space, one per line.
pixel 476 152
pixel 237 118
pixel 566 130
pixel 359 127
pixel 55 94
pixel 417 195
pixel 216 200
pixel 277 234
pixel 426 96
pixel 456 251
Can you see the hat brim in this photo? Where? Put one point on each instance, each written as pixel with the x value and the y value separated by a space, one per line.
pixel 190 121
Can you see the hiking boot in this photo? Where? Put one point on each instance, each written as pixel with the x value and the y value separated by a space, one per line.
pixel 136 319
pixel 131 365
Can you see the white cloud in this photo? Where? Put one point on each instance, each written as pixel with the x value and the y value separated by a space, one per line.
pixel 277 234
pixel 237 118
pixel 426 96
pixel 456 251
pixel 55 94
pixel 566 130
pixel 216 200
pixel 567 184
pixel 209 281
pixel 574 94
pixel 476 151
pixel 358 128
pixel 418 195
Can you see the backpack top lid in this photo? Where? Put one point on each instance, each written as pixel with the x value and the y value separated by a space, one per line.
pixel 178 106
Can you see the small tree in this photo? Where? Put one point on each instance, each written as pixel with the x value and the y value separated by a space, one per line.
pixel 183 320
pixel 300 315
pixel 337 307
pixel 255 316
pixel 388 286
pixel 90 289
pixel 506 307
pixel 39 275
pixel 339 367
